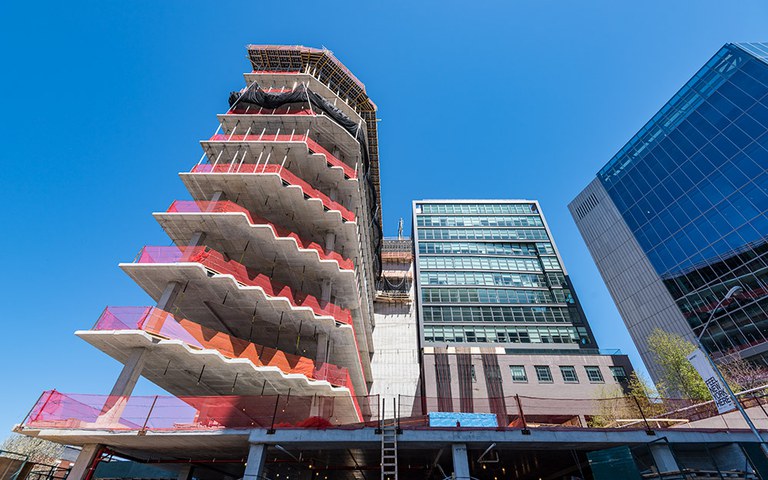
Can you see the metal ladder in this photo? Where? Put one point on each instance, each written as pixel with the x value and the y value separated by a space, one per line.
pixel 389 431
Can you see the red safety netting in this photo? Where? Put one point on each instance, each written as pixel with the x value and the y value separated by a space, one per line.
pixel 216 262
pixel 312 146
pixel 164 324
pixel 190 206
pixel 56 410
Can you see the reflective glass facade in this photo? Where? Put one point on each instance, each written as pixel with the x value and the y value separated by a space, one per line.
pixel 488 274
pixel 692 186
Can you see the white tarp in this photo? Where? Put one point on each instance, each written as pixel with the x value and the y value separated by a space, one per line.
pixel 716 388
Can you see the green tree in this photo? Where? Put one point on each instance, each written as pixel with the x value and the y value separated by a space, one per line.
pixel 616 407
pixel 679 378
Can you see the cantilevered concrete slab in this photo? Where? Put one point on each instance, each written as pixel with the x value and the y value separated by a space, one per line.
pixel 184 370
pixel 257 246
pixel 237 440
pixel 323 171
pixel 219 302
pixel 265 195
pixel 323 129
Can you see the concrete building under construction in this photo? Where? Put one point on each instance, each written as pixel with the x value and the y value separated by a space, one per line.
pixel 290 337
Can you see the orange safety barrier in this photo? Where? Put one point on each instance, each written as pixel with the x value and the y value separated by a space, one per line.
pixel 312 145
pixel 190 206
pixel 216 262
pixel 164 324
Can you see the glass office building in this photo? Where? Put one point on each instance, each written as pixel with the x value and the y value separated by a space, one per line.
pixel 488 273
pixel 682 210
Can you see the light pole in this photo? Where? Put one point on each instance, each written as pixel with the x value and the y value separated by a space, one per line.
pixel 733 291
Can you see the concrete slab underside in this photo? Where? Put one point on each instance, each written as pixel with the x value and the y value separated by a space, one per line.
pixel 314 168
pixel 220 303
pixel 234 443
pixel 265 195
pixel 323 129
pixel 178 368
pixel 257 246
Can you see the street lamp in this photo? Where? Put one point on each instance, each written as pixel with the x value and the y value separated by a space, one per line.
pixel 733 291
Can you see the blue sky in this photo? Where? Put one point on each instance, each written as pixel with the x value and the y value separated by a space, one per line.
pixel 103 103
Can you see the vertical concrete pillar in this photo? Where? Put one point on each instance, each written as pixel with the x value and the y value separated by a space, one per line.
pixel 84 461
pixel 330 241
pixel 325 290
pixel 323 349
pixel 663 457
pixel 169 296
pixel 185 472
pixel 257 456
pixel 336 152
pixel 123 387
pixel 218 196
pixel 460 461
pixel 321 407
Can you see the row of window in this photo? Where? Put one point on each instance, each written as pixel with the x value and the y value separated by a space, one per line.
pixel 471 248
pixel 510 279
pixel 567 372
pixel 490 263
pixel 486 221
pixel 491 295
pixel 506 334
pixel 483 209
pixel 497 314
pixel 470 278
pixel 481 263
pixel 482 234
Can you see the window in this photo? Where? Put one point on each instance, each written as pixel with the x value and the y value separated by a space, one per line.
pixel 518 373
pixel 543 374
pixel 569 374
pixel 594 375
pixel 472 373
pixel 619 374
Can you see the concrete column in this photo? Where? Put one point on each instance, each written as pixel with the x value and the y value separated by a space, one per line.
pixel 126 381
pixel 185 472
pixel 330 241
pixel 218 196
pixel 663 457
pixel 460 461
pixel 168 297
pixel 323 349
pixel 84 461
pixel 257 457
pixel 321 407
pixel 325 291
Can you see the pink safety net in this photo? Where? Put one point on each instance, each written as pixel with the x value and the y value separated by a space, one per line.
pixel 56 410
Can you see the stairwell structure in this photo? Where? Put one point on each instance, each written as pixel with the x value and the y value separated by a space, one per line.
pixel 268 289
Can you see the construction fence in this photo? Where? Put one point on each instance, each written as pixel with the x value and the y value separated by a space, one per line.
pixel 56 410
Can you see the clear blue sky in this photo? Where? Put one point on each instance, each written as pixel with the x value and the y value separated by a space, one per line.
pixel 104 102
